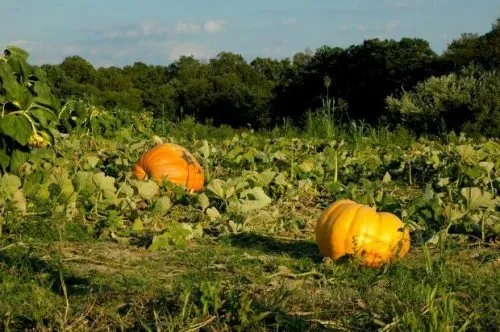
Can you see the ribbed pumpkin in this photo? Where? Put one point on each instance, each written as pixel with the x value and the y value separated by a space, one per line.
pixel 171 162
pixel 349 228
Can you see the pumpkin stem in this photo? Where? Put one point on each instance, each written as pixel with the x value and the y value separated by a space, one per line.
pixel 157 139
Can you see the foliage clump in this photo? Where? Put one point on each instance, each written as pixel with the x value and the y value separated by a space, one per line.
pixel 467 101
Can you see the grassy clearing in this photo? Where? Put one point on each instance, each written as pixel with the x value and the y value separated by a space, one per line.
pixel 246 281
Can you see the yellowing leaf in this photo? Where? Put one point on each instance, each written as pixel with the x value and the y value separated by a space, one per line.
pixel 218 188
pixel 213 213
pixel 147 189
pixel 9 184
pixel 478 198
pixel 487 165
pixel 162 205
pixel 387 178
pixel 138 225
pixel 307 166
pixel 254 199
pixel 204 201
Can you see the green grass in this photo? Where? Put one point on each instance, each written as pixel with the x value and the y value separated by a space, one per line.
pixel 247 281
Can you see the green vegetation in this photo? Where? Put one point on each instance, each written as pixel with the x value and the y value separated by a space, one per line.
pixel 265 92
pixel 85 245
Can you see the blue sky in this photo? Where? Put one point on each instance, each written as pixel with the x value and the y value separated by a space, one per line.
pixel 112 32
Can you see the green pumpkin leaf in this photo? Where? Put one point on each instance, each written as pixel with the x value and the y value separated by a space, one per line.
pixel 17 127
pixel 487 165
pixel 254 199
pixel 213 213
pixel 84 183
pixel 15 51
pixel 43 116
pixel 13 90
pixel 177 234
pixel 17 159
pixel 387 178
pixel 4 160
pixel 147 189
pixel 19 201
pixel 44 97
pixel 162 205
pixel 138 226
pixel 204 201
pixel 479 198
pixel 307 166
pixel 9 184
pixel 218 188
pixel 265 178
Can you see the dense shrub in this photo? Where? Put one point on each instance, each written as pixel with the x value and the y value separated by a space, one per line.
pixel 468 101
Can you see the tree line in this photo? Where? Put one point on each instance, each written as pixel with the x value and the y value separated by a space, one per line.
pixel 378 81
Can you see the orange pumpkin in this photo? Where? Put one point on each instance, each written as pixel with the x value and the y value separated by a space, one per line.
pixel 171 162
pixel 349 228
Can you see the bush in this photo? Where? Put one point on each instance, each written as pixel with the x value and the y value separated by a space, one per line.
pixel 467 101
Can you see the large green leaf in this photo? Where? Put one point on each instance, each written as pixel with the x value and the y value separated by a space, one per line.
pixel 84 183
pixel 177 235
pixel 479 198
pixel 20 69
pixel 17 159
pixel 9 184
pixel 218 188
pixel 162 205
pixel 13 51
pixel 147 189
pixel 44 116
pixel 107 185
pixel 254 199
pixel 13 90
pixel 4 159
pixel 17 127
pixel 44 96
pixel 10 189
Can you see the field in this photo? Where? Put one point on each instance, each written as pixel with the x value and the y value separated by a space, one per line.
pixel 86 246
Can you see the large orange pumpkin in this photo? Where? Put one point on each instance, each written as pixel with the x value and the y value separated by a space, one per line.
pixel 349 228
pixel 171 162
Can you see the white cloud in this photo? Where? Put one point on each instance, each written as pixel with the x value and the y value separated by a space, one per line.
pixel 199 51
pixel 357 27
pixel 44 52
pixel 100 53
pixel 186 27
pixel 148 41
pixel 153 28
pixel 149 28
pixel 289 21
pixel 212 26
pixel 392 25
pixel 27 45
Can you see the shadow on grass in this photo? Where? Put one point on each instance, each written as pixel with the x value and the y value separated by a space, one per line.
pixel 294 248
pixel 30 267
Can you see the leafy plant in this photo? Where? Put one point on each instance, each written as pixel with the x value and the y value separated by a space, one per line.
pixel 465 101
pixel 79 116
pixel 28 115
